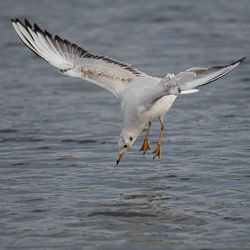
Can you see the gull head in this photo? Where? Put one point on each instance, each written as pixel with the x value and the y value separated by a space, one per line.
pixel 125 142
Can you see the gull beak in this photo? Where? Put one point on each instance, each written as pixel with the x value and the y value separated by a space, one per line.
pixel 119 158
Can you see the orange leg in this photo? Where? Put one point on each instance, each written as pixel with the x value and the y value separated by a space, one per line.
pixel 146 145
pixel 158 149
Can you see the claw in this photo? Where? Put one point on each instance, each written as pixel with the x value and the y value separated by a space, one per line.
pixel 157 151
pixel 158 148
pixel 145 146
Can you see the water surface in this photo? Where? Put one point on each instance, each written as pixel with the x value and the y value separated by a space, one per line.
pixel 60 187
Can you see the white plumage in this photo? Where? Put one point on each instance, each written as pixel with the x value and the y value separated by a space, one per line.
pixel 143 98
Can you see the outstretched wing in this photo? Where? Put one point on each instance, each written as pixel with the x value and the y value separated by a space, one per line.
pixel 189 81
pixel 197 77
pixel 194 78
pixel 74 61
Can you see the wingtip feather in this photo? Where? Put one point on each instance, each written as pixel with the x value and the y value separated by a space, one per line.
pixel 27 23
pixel 242 59
pixel 238 61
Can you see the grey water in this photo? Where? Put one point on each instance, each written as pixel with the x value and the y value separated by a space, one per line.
pixel 59 185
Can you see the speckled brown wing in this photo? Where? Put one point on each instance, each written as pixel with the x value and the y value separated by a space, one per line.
pixel 75 61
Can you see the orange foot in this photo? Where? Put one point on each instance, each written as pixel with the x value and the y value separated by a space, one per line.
pixel 145 146
pixel 158 151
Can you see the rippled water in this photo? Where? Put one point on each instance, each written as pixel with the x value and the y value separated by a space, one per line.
pixel 60 187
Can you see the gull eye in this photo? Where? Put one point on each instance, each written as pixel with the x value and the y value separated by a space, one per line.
pixel 131 138
pixel 125 146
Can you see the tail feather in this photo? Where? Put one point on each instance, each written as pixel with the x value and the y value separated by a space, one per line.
pixel 190 91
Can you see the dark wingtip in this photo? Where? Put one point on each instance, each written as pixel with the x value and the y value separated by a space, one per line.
pixel 48 34
pixel 235 62
pixel 59 38
pixel 27 23
pixel 37 28
pixel 242 59
pixel 117 162
pixel 15 20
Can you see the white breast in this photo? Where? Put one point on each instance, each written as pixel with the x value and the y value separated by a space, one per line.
pixel 161 107
pixel 133 103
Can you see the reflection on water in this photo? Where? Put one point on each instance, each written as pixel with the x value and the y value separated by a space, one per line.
pixel 60 187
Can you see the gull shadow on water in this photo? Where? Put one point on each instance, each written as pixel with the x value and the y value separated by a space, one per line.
pixel 121 214
pixel 86 141
pixel 169 218
pixel 4 131
pixel 21 139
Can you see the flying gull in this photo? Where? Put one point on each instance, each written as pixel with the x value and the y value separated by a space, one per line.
pixel 143 98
